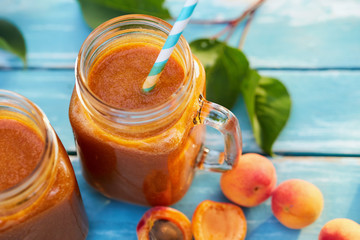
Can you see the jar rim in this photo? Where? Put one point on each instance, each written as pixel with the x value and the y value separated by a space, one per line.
pixel 137 116
pixel 24 106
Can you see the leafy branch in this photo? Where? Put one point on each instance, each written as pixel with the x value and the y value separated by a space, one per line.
pixel 229 75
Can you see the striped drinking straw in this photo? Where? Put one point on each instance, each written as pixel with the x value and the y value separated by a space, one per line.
pixel 169 45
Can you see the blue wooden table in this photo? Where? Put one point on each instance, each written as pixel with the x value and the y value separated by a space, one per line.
pixel 312 46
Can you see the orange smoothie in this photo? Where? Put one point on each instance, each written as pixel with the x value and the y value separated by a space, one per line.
pixel 148 164
pixel 20 152
pixel 117 77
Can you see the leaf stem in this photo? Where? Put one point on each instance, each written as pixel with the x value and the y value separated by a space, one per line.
pixel 231 32
pixel 222 32
pixel 235 21
pixel 245 30
pixel 246 13
pixel 231 24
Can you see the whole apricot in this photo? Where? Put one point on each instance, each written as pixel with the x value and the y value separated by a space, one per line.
pixel 340 229
pixel 250 182
pixel 297 203
pixel 215 220
pixel 164 223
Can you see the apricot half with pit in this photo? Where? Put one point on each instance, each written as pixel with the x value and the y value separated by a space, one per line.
pixel 216 220
pixel 164 223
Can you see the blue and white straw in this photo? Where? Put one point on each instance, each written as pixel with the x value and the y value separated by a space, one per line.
pixel 169 45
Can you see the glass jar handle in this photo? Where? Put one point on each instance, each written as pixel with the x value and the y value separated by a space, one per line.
pixel 222 119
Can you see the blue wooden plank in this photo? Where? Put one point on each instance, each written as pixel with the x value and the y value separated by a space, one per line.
pixel 283 34
pixel 325 117
pixel 337 178
pixel 325 113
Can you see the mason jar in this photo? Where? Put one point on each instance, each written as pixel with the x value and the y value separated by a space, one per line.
pixel 39 195
pixel 147 156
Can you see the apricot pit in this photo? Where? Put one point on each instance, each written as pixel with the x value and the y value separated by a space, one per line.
pixel 164 223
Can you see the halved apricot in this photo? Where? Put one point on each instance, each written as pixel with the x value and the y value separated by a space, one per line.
pixel 216 220
pixel 164 223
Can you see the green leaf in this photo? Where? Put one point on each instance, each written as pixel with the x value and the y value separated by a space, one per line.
pixel 96 12
pixel 206 50
pixel 224 66
pixel 268 104
pixel 248 87
pixel 12 40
